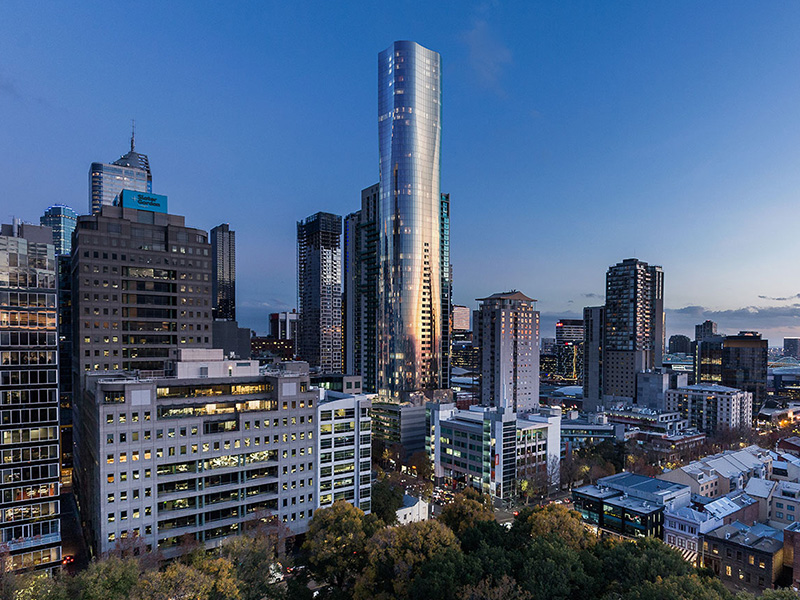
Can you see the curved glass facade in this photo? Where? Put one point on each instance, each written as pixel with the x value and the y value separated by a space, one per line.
pixel 409 283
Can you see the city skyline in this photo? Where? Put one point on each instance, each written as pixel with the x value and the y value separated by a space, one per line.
pixel 658 133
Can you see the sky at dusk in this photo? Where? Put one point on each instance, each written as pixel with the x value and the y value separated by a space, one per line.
pixel 575 134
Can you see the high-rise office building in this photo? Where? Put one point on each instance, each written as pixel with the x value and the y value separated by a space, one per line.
pixel 31 533
pixel 569 330
pixel 704 330
pixel 283 325
pixel 707 366
pixel 360 299
pixel 633 338
pixel 744 365
pixel 131 171
pixel 223 272
pixel 594 327
pixel 319 291
pixel 62 220
pixel 680 344
pixel 141 289
pixel 410 214
pixel 218 447
pixel 569 361
pixel 507 333
pixel 791 347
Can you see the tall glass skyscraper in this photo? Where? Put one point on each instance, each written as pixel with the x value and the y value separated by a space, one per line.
pixel 223 272
pixel 129 172
pixel 62 220
pixel 31 530
pixel 410 278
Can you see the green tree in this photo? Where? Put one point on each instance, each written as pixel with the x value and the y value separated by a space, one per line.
pixel 440 577
pixel 685 587
pixel 622 565
pixel 335 544
pixel 420 464
pixel 40 586
pixel 253 556
pixel 177 582
pixel 110 579
pixel 467 509
pixel 225 584
pixel 395 555
pixel 554 520
pixel 504 588
pixel 386 499
pixel 552 570
pixel 782 594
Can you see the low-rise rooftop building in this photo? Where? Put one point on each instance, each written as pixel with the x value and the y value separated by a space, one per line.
pixel 718 474
pixel 748 558
pixel 630 505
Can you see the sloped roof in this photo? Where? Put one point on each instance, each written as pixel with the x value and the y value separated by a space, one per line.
pixel 512 295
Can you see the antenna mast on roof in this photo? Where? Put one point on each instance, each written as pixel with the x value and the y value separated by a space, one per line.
pixel 133 134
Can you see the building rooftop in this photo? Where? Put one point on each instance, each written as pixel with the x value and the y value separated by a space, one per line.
pixel 633 483
pixel 708 387
pixel 728 504
pixel 760 488
pixel 512 295
pixel 758 537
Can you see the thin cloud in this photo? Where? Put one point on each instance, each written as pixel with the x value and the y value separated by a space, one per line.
pixel 593 295
pixel 795 297
pixel 745 318
pixel 487 56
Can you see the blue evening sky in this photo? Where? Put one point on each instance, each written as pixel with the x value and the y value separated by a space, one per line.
pixel 575 134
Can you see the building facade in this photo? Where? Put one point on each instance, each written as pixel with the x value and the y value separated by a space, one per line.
pixel 569 330
pixel 791 347
pixel 360 277
pixel 748 558
pixel 283 325
pixel 319 291
pixel 705 330
pixel 744 365
pixel 707 365
pixel 29 505
pixel 633 337
pixel 507 330
pixel 628 504
pixel 141 289
pixel 474 448
pixel 680 344
pixel 129 172
pixel 410 261
pixel 712 408
pixel 62 220
pixel 200 454
pixel 344 449
pixel 223 272
pixel 594 326
pixel 461 315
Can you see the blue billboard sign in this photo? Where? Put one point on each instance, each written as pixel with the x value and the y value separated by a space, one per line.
pixel 143 201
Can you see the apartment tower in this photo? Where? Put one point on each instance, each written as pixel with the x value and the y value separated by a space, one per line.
pixel 410 207
pixel 319 291
pixel 506 329
pixel 634 326
pixel 223 272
